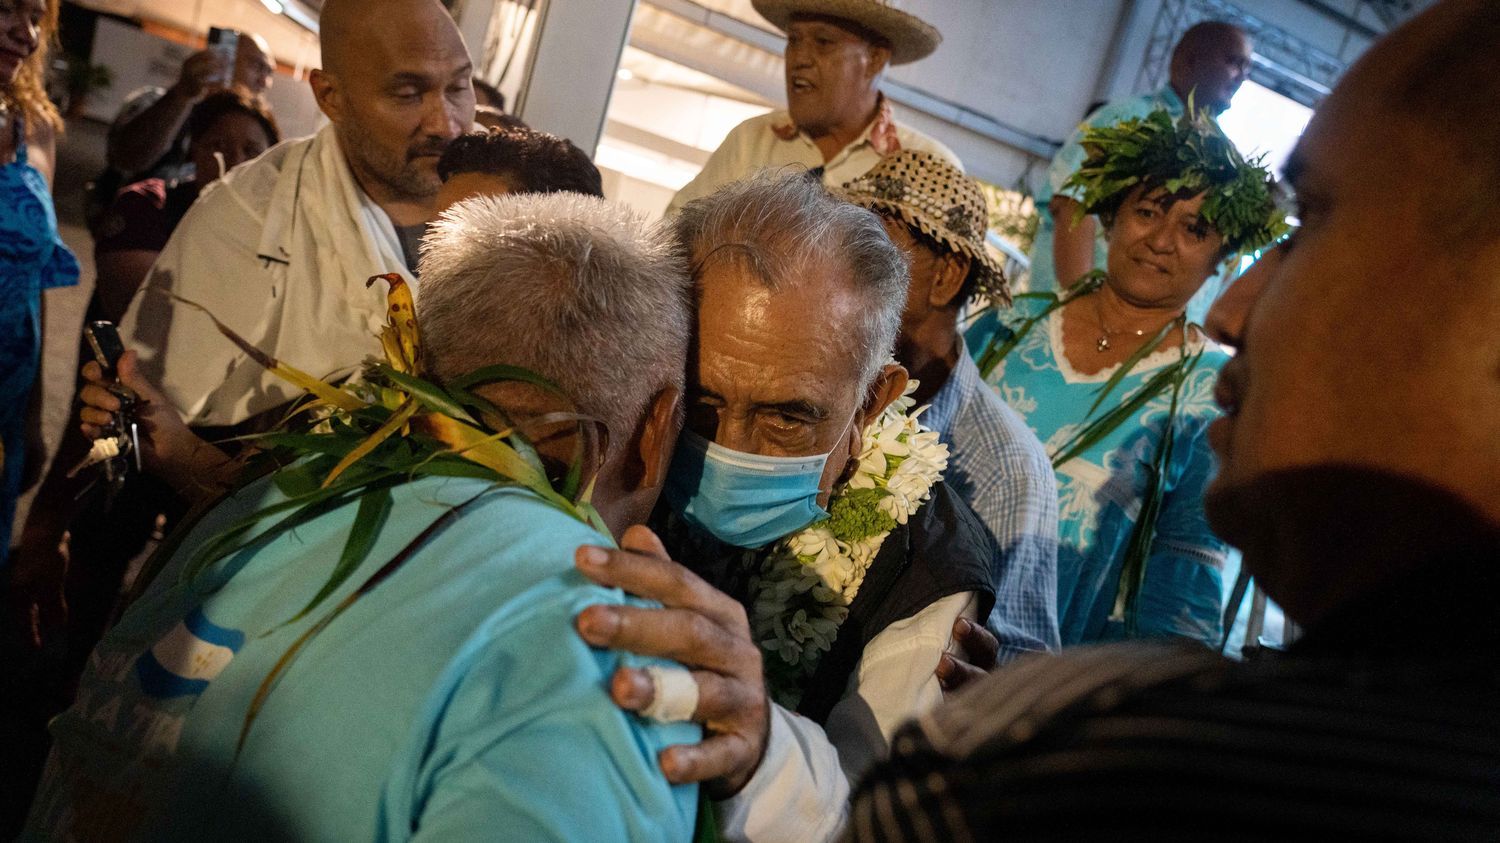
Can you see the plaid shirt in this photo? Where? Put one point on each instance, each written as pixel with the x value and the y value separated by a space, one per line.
pixel 1000 469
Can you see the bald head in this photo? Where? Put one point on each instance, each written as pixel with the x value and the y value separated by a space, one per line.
pixel 349 29
pixel 1439 73
pixel 254 65
pixel 1372 346
pixel 1211 61
pixel 396 84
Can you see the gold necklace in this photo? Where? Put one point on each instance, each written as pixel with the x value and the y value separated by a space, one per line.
pixel 1102 344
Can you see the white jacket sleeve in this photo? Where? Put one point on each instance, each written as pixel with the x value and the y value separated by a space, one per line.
pixel 801 790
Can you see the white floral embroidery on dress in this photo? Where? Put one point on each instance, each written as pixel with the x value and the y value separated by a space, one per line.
pixel 1016 397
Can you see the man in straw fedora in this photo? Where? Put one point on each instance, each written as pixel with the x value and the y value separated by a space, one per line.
pixel 837 123
pixel 938 216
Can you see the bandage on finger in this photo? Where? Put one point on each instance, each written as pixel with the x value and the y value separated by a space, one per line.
pixel 675 694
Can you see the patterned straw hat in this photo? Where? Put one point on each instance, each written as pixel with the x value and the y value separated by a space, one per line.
pixel 932 196
pixel 911 37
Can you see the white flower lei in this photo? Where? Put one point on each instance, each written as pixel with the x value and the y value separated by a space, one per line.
pixel 807 580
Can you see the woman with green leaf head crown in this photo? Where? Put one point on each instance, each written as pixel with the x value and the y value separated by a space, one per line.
pixel 1119 385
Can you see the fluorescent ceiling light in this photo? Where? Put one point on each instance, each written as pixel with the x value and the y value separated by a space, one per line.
pixel 296 12
pixel 274 6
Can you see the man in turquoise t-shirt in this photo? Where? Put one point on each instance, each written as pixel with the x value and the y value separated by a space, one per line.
pixel 451 701
pixel 1210 61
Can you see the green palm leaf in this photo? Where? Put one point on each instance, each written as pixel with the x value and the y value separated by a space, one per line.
pixel 434 397
pixel 501 372
pixel 1130 362
pixel 302 510
pixel 285 661
pixel 397 421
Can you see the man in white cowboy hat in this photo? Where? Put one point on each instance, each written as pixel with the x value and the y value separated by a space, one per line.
pixel 837 123
pixel 937 215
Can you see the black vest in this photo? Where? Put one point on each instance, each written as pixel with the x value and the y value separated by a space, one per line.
pixel 943 549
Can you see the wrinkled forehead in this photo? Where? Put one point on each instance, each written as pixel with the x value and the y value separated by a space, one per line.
pixel 737 256
pixel 806 322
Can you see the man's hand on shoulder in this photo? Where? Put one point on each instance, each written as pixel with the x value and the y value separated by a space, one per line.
pixel 699 627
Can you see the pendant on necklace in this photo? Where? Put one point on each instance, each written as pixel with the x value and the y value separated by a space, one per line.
pixel 1102 344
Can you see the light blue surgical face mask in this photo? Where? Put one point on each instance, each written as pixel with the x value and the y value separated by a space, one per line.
pixel 746 500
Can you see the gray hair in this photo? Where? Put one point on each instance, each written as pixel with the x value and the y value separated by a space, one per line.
pixel 776 223
pixel 572 287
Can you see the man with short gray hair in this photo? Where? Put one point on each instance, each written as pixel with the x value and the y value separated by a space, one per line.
pixel 435 702
pixel 550 282
pixel 796 444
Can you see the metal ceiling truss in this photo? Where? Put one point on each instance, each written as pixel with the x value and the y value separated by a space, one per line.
pixel 1282 62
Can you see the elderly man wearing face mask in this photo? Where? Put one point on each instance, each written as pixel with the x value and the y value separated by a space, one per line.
pixel 829 565
pixel 837 123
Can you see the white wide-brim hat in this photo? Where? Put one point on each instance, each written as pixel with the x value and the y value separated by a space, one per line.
pixel 911 37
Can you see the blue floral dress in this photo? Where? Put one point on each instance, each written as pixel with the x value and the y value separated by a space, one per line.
pixel 1100 492
pixel 32 259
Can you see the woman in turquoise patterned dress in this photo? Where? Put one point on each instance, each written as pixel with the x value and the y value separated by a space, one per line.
pixel 32 257
pixel 1119 386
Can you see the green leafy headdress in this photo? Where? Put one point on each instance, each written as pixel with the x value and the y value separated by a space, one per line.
pixel 1190 155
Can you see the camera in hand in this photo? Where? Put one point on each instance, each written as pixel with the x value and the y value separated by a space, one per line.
pixel 118 451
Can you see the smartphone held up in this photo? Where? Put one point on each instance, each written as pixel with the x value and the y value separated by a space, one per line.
pixel 225 43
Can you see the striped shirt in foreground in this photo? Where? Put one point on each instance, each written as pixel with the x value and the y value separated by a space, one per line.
pixel 1164 741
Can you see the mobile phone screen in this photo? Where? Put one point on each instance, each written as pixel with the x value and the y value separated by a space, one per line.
pixel 225 42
